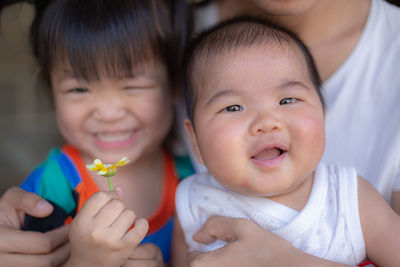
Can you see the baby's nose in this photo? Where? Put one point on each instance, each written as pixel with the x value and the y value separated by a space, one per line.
pixel 264 122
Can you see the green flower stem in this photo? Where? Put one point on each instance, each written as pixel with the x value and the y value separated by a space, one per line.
pixel 110 183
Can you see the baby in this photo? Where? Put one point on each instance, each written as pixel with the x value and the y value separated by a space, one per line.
pixel 256 121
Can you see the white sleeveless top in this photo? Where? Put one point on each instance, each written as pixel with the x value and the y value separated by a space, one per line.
pixel 328 226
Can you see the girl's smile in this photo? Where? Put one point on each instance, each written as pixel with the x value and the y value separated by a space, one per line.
pixel 115 139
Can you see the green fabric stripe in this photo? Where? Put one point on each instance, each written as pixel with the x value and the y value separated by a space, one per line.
pixel 54 186
pixel 183 166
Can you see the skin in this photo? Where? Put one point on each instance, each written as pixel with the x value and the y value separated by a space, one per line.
pixel 108 119
pixel 20 248
pixel 229 123
pixel 101 228
pixel 230 119
pixel 113 117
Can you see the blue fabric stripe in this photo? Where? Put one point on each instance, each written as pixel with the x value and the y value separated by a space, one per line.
pixel 69 170
pixel 32 183
pixel 162 238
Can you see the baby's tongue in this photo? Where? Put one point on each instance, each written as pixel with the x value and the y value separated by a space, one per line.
pixel 268 154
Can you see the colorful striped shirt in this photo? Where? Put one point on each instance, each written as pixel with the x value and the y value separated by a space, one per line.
pixel 64 181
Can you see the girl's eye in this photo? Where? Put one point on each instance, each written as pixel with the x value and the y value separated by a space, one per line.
pixel 79 90
pixel 288 100
pixel 233 108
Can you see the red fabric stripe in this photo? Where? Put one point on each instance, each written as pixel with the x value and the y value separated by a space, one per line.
pixel 88 187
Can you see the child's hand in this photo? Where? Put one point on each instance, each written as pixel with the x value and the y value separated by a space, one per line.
pixel 145 255
pixel 99 234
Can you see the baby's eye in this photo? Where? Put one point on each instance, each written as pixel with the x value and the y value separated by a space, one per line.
pixel 288 100
pixel 233 108
pixel 79 90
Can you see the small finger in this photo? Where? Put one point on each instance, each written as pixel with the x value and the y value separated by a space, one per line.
pixel 118 191
pixel 143 263
pixel 222 228
pixel 137 233
pixel 122 224
pixel 110 212
pixel 146 252
pixel 97 201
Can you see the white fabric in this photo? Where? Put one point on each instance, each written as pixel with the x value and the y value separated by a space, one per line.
pixel 327 227
pixel 363 110
pixel 362 96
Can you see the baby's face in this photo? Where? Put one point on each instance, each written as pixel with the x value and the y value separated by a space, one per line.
pixel 258 120
pixel 111 118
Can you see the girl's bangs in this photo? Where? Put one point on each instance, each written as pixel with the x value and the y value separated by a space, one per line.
pixel 103 40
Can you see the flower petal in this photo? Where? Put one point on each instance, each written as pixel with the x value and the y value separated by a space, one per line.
pixel 91 167
pixel 102 172
pixel 122 162
pixel 98 163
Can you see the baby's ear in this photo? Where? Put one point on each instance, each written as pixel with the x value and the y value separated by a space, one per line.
pixel 192 136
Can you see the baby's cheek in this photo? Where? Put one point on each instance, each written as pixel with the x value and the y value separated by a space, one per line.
pixel 245 184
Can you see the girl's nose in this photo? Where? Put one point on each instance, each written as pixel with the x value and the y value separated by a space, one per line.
pixel 265 121
pixel 109 108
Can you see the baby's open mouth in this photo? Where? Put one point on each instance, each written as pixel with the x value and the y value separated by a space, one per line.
pixel 269 153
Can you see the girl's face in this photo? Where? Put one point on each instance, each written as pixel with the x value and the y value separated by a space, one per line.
pixel 111 118
pixel 259 123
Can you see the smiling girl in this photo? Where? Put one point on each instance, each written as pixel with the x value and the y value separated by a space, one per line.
pixel 111 67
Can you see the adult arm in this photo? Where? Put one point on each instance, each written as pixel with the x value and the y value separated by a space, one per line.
pixel 26 248
pixel 380 224
pixel 248 245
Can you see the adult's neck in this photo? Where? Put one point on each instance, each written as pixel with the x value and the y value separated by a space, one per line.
pixel 330 28
pixel 323 20
pixel 326 20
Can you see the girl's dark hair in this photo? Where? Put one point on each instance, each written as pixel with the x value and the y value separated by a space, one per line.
pixel 109 37
pixel 236 33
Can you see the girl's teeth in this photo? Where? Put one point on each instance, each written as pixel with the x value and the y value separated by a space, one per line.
pixel 114 137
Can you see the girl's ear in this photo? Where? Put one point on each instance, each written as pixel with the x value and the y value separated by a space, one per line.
pixel 192 136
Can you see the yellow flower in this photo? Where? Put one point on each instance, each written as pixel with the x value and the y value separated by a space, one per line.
pixel 107 170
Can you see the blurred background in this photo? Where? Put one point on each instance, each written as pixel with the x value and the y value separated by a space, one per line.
pixel 27 124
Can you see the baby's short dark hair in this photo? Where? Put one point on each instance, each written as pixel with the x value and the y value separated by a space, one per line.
pixel 236 33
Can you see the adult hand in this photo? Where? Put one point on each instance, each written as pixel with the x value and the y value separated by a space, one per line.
pixel 148 255
pixel 26 248
pixel 248 245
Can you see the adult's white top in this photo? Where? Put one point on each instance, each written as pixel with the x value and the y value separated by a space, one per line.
pixel 363 110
